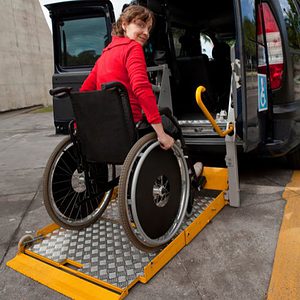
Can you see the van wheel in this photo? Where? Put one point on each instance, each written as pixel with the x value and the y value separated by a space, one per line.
pixel 293 158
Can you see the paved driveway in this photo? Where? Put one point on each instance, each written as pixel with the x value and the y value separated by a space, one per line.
pixel 231 258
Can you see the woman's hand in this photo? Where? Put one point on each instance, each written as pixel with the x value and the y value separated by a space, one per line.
pixel 165 140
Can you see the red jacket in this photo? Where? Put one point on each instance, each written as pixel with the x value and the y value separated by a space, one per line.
pixel 123 60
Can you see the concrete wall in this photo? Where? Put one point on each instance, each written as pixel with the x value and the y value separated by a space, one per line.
pixel 26 59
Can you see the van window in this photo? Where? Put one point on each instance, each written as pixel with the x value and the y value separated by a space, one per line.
pixel 186 42
pixel 249 31
pixel 177 34
pixel 82 41
pixel 292 21
pixel 206 45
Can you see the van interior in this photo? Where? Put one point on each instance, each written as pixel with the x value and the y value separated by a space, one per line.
pixel 175 40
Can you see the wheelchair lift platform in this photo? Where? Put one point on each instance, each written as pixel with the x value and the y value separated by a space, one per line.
pixel 99 262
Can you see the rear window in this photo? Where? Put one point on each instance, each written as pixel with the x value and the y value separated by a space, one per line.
pixel 292 21
pixel 82 41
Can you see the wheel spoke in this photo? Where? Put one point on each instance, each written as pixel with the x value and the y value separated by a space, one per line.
pixel 74 204
pixel 165 185
pixel 90 202
pixel 71 200
pixel 70 192
pixel 72 157
pixel 61 190
pixel 66 164
pixel 66 171
pixel 78 211
pixel 161 180
pixel 61 181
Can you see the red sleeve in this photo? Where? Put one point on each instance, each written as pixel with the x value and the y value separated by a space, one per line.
pixel 90 83
pixel 141 87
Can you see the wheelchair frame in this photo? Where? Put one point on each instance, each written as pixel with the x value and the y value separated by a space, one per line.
pixel 130 216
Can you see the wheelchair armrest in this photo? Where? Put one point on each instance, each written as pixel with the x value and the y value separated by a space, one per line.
pixel 167 112
pixel 60 92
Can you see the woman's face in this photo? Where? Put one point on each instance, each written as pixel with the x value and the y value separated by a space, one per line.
pixel 137 30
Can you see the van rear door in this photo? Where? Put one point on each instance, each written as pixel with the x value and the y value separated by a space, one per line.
pixel 264 63
pixel 248 122
pixel 81 29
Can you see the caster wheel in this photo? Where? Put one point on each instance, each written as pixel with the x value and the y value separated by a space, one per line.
pixel 24 241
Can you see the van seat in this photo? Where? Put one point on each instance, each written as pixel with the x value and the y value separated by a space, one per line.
pixel 193 72
pixel 220 74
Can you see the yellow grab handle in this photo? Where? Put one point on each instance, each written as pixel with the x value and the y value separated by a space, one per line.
pixel 207 114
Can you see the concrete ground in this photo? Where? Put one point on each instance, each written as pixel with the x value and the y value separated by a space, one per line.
pixel 231 258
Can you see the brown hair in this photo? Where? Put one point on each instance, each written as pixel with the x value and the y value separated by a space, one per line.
pixel 131 13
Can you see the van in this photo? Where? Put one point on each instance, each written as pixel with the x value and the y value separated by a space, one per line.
pixel 255 62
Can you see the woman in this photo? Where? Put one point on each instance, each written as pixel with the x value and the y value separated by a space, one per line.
pixel 123 60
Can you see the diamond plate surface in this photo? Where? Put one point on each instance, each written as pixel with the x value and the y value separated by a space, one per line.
pixel 200 204
pixel 112 211
pixel 103 248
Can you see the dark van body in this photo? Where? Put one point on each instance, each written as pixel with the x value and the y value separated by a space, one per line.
pixel 255 61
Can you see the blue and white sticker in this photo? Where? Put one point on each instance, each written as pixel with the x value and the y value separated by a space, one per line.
pixel 262 92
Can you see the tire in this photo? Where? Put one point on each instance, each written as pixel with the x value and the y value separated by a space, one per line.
pixel 65 196
pixel 293 158
pixel 151 217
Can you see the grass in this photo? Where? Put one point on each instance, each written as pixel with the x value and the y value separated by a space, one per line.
pixel 44 109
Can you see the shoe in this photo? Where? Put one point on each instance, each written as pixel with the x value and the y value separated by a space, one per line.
pixel 198 167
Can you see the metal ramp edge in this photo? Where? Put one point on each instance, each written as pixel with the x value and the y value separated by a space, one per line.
pixel 65 278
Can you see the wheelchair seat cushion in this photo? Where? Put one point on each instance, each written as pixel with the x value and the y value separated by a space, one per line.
pixel 105 125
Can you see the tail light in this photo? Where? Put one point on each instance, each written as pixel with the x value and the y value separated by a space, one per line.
pixel 274 46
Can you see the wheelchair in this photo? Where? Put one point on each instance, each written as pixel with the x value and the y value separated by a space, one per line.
pixel 154 185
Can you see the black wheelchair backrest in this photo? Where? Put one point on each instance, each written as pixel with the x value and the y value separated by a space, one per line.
pixel 105 124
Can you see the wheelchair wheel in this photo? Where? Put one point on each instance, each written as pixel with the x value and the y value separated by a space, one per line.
pixel 154 190
pixel 66 197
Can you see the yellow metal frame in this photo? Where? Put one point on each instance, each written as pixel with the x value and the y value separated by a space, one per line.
pixel 207 114
pixel 77 285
